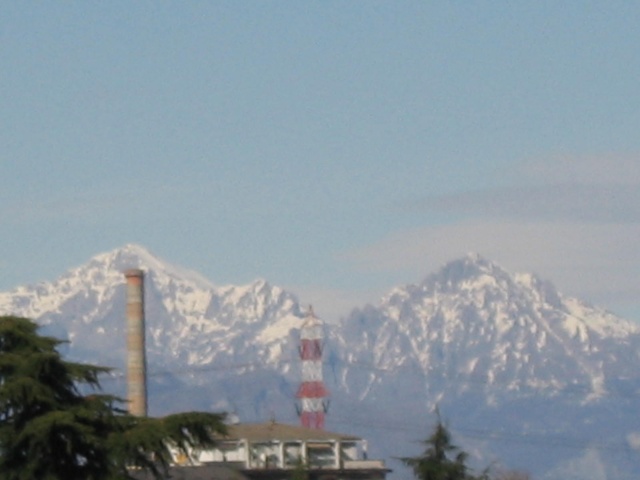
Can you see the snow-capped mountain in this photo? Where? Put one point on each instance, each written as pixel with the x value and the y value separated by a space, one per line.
pixel 190 321
pixel 474 323
pixel 512 362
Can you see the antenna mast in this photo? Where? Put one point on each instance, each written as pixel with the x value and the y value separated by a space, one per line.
pixel 312 393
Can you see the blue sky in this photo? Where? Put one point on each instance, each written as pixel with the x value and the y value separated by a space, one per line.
pixel 334 148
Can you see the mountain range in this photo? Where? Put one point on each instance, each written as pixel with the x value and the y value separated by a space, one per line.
pixel 522 374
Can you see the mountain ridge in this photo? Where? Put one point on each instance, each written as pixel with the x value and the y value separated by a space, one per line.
pixel 475 300
pixel 470 339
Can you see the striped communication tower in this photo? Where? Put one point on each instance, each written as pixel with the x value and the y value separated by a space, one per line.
pixel 312 394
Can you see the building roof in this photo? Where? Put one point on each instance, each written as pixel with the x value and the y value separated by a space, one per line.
pixel 256 432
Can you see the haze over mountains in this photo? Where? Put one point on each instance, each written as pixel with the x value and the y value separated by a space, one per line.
pixel 523 374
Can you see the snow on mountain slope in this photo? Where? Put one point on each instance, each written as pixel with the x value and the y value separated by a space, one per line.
pixel 471 322
pixel 505 357
pixel 499 353
pixel 474 323
pixel 93 283
pixel 190 321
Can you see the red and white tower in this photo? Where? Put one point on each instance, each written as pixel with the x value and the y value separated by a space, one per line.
pixel 312 393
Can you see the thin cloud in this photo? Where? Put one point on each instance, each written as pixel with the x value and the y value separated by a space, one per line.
pixel 574 221
pixel 88 205
pixel 597 262
pixel 605 169
pixel 560 202
pixel 602 189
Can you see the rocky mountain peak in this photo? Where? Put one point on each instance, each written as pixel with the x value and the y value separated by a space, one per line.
pixel 474 320
pixel 472 338
pixel 467 271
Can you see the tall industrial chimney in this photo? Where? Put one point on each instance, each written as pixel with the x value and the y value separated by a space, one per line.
pixel 136 356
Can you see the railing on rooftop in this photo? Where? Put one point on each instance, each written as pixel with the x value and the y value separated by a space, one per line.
pixel 363 464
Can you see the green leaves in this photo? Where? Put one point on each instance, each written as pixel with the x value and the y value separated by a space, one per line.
pixel 441 459
pixel 148 442
pixel 51 431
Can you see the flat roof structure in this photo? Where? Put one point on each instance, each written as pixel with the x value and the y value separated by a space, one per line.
pixel 282 431
pixel 277 451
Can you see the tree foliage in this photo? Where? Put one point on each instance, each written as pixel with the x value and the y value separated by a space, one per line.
pixel 51 430
pixel 441 459
pixel 300 470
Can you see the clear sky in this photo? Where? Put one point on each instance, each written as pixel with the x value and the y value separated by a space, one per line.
pixel 334 148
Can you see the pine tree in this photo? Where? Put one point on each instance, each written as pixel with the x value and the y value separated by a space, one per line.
pixel 441 460
pixel 50 430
